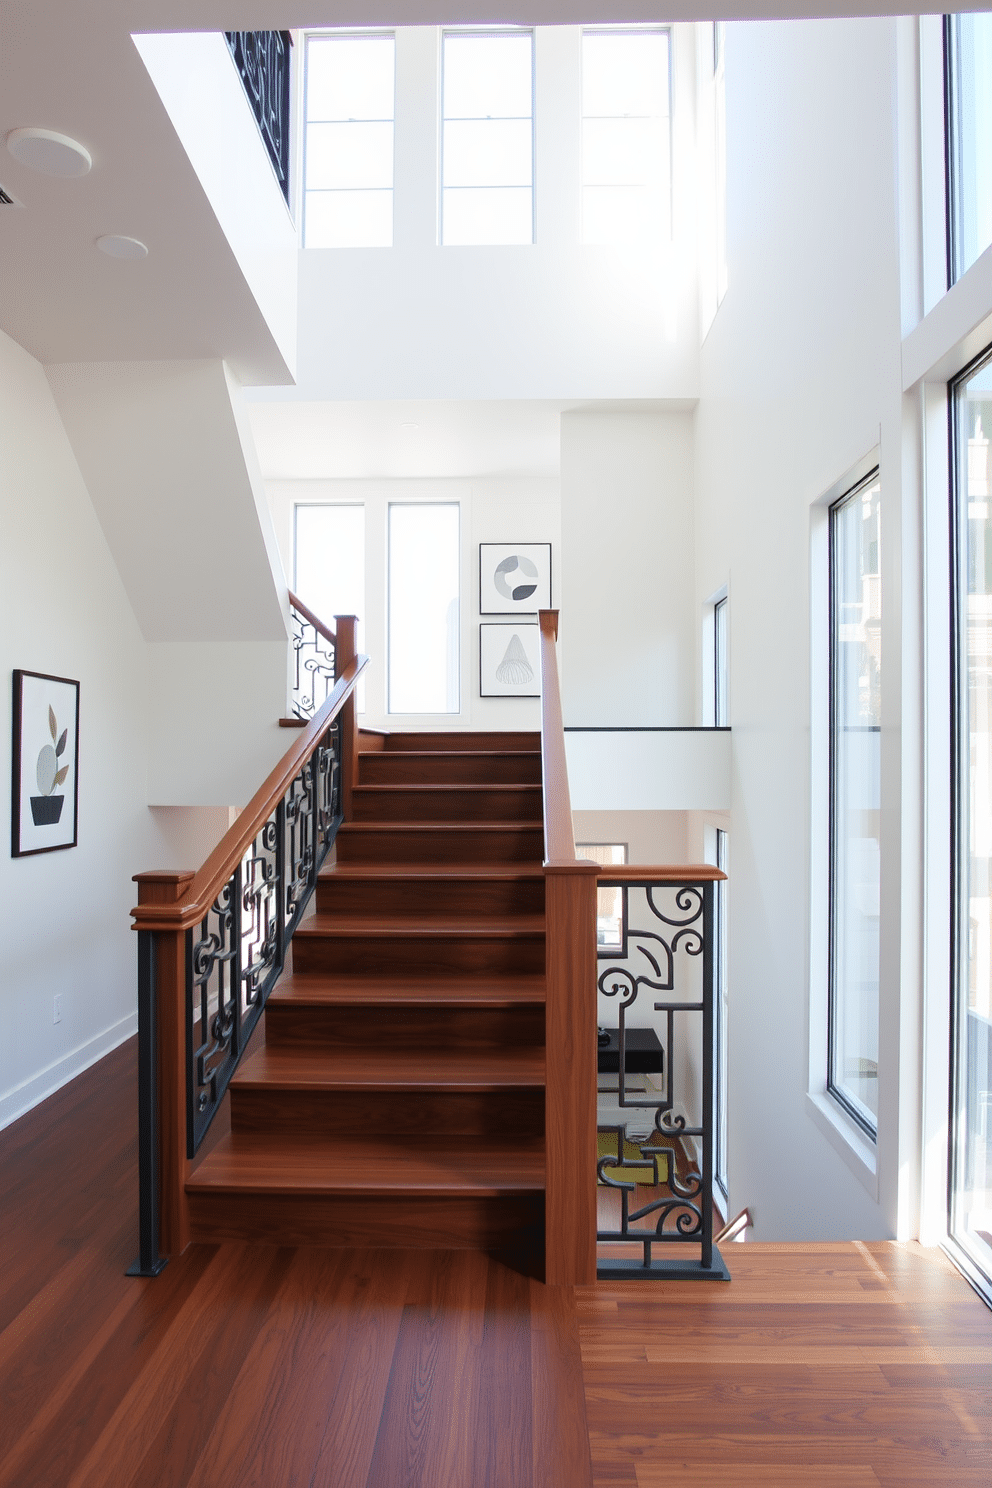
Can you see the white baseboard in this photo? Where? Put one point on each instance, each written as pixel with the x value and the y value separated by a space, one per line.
pixel 32 1092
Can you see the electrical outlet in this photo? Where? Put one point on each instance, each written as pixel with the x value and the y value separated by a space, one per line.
pixel 57 1008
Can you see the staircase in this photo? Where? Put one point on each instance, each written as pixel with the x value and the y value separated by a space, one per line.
pixel 399 1096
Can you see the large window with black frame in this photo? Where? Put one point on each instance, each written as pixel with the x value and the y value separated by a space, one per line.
pixel 855 758
pixel 970 1155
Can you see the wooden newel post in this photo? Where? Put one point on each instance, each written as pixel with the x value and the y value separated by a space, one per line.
pixel 162 992
pixel 570 1011
pixel 570 1092
pixel 345 650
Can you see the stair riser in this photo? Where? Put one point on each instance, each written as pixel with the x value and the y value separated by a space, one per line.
pixel 414 955
pixel 473 803
pixel 459 742
pixel 390 1222
pixel 402 768
pixel 430 897
pixel 510 1112
pixel 435 845
pixel 431 1028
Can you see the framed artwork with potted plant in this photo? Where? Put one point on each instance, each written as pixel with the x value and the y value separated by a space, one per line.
pixel 45 778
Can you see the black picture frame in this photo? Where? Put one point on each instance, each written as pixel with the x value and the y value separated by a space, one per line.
pixel 45 750
pixel 527 637
pixel 490 556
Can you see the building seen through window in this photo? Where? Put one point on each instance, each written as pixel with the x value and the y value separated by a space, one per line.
pixel 855 770
pixel 971 1105
pixel 968 83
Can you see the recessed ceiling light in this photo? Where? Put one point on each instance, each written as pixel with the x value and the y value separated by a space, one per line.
pixel 114 245
pixel 407 427
pixel 52 154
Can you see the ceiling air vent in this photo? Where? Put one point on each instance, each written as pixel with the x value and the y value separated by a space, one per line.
pixel 7 201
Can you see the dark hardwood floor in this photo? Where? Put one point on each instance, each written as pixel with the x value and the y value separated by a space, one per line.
pixel 821 1365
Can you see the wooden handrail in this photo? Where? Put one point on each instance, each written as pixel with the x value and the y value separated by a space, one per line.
pixel 559 834
pixel 312 619
pixel 207 883
pixel 671 873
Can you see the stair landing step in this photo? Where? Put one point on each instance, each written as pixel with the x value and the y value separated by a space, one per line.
pixel 320 989
pixel 328 926
pixel 286 1067
pixel 401 1165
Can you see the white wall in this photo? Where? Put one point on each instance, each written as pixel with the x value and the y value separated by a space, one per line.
pixel 649 771
pixel 517 508
pixel 627 636
pixel 800 378
pixel 556 319
pixel 65 927
pixel 170 465
pixel 206 102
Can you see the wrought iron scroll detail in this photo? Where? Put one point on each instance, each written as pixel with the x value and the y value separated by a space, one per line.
pixel 313 666
pixel 262 60
pixel 659 958
pixel 237 952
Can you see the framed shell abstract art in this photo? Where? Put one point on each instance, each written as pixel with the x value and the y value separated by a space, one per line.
pixel 45 775
pixel 509 660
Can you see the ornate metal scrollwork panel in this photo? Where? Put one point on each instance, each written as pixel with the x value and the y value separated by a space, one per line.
pixel 262 60
pixel 237 952
pixel 313 666
pixel 661 977
pixel 261 931
pixel 213 1008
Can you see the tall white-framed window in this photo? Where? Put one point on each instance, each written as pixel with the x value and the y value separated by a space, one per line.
pixel 855 670
pixel 968 122
pixel 329 564
pixel 423 607
pixel 969 1184
pixel 348 140
pixel 626 135
pixel 487 138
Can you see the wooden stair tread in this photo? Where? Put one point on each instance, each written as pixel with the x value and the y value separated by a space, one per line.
pixel 287 1067
pixel 329 926
pixel 444 754
pixel 248 1162
pixel 314 988
pixel 525 825
pixel 449 787
pixel 443 872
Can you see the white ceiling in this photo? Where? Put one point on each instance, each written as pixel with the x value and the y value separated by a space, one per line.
pixel 362 441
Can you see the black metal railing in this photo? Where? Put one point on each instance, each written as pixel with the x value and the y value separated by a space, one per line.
pixel 262 60
pixel 239 950
pixel 313 662
pixel 665 945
